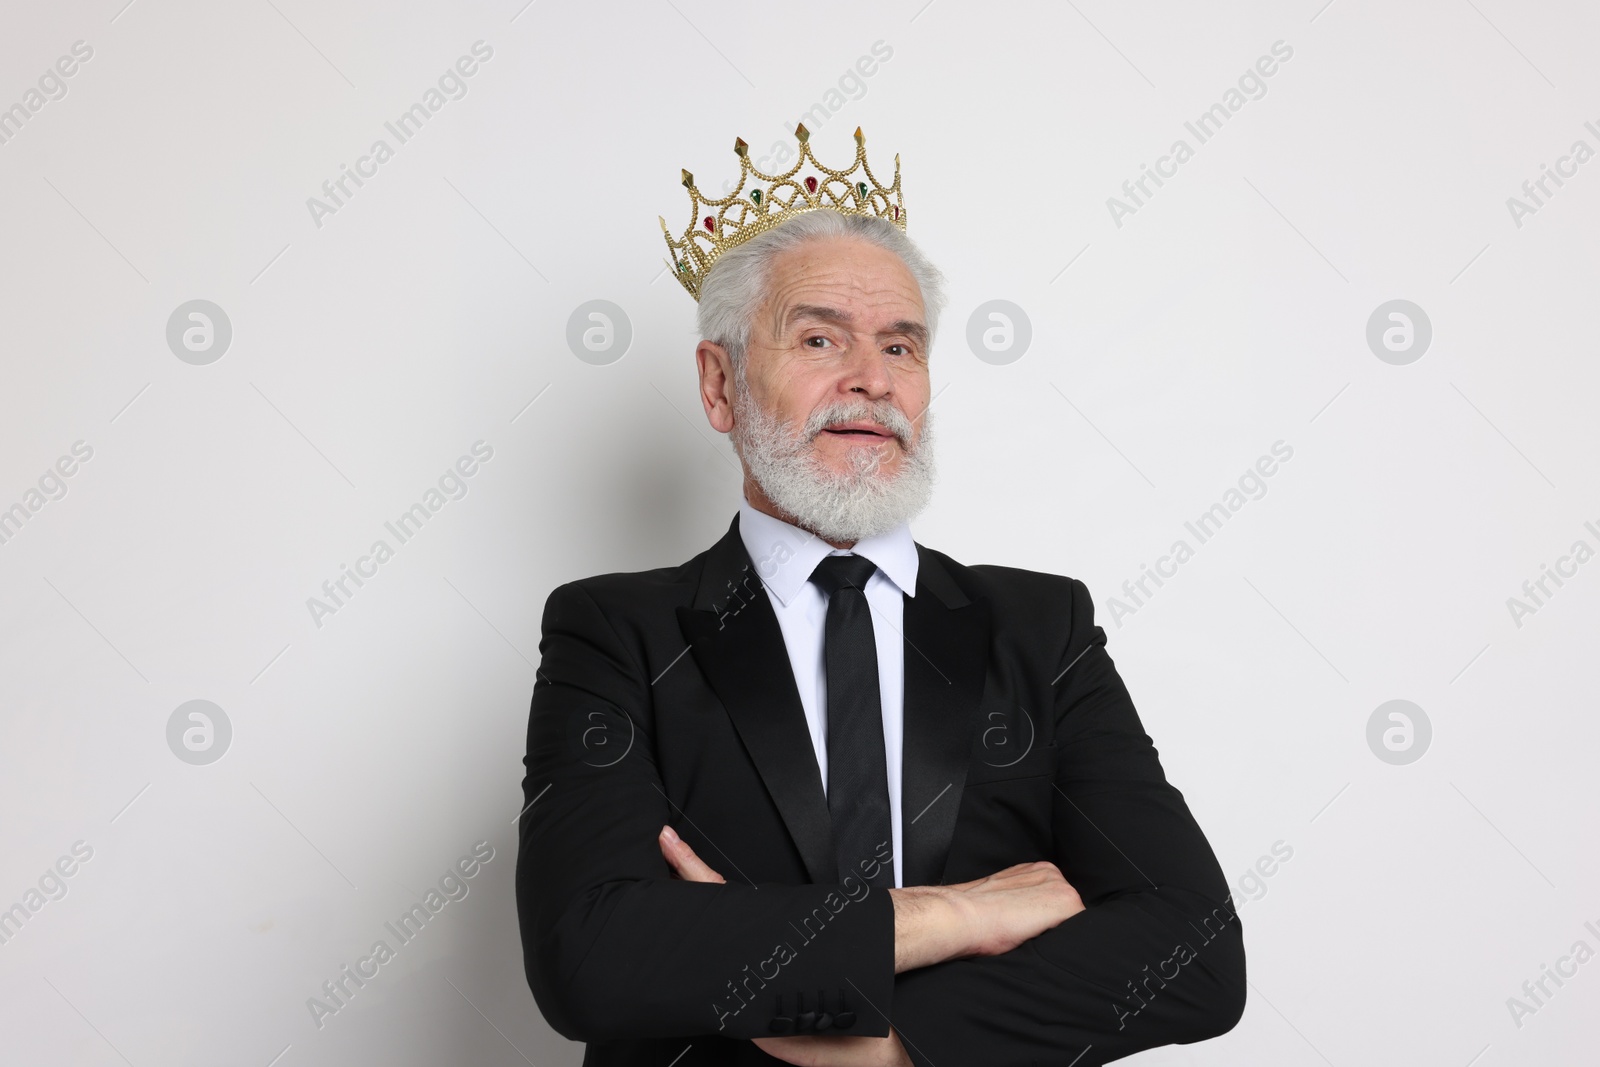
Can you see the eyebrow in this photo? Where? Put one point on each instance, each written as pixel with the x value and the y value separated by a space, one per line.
pixel 909 327
pixel 818 311
pixel 912 329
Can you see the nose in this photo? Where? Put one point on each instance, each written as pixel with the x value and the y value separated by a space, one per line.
pixel 866 371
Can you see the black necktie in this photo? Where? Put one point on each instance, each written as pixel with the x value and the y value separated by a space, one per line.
pixel 858 782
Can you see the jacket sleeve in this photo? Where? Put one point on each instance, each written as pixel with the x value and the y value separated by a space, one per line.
pixel 1156 958
pixel 614 946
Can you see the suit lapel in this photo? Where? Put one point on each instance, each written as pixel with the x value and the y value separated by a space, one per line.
pixel 739 648
pixel 946 657
pixel 738 645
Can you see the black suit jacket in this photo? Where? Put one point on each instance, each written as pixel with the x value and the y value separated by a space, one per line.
pixel 667 697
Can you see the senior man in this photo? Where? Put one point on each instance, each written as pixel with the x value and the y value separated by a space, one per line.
pixel 823 795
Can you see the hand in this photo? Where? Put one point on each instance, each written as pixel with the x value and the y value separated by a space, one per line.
pixel 984 917
pixel 1011 906
pixel 933 923
pixel 682 859
pixel 826 1050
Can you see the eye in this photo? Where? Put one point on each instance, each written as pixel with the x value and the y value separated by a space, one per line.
pixel 817 341
pixel 898 350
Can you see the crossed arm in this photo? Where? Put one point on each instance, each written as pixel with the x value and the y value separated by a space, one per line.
pixel 1151 954
pixel 931 924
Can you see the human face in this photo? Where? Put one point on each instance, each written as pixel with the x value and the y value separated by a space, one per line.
pixel 843 321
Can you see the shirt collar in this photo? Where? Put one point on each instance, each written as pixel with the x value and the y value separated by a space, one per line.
pixel 785 555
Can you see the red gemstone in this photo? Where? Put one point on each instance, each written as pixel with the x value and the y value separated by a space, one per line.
pixel 811 185
pixel 711 224
pixel 897 213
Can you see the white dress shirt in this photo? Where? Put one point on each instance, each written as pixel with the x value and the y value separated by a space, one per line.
pixel 785 556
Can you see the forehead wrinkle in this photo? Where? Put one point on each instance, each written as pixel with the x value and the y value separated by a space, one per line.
pixel 808 279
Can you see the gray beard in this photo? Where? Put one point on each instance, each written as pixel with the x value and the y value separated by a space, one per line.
pixel 844 507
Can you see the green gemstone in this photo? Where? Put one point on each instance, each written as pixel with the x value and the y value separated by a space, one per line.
pixel 755 194
pixel 861 187
pixel 681 266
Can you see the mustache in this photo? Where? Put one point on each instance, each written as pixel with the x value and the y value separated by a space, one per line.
pixel 839 412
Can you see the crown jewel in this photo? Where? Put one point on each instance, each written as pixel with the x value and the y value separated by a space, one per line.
pixel 763 200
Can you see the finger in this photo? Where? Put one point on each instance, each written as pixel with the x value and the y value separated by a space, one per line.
pixel 670 849
pixel 812 1050
pixel 666 854
pixel 785 1049
pixel 683 859
pixel 819 1050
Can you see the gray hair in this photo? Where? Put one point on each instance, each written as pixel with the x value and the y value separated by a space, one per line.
pixel 733 289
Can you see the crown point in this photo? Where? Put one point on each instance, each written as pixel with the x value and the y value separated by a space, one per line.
pixel 663 225
pixel 861 138
pixel 740 149
pixel 802 134
pixel 688 180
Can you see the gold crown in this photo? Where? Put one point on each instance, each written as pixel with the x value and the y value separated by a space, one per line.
pixel 740 216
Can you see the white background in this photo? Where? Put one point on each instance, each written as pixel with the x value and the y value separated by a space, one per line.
pixel 1168 353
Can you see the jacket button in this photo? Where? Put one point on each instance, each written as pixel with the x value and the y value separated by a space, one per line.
pixel 780 1023
pixel 844 1020
pixel 805 1022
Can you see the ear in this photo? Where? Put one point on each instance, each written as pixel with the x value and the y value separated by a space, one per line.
pixel 716 384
